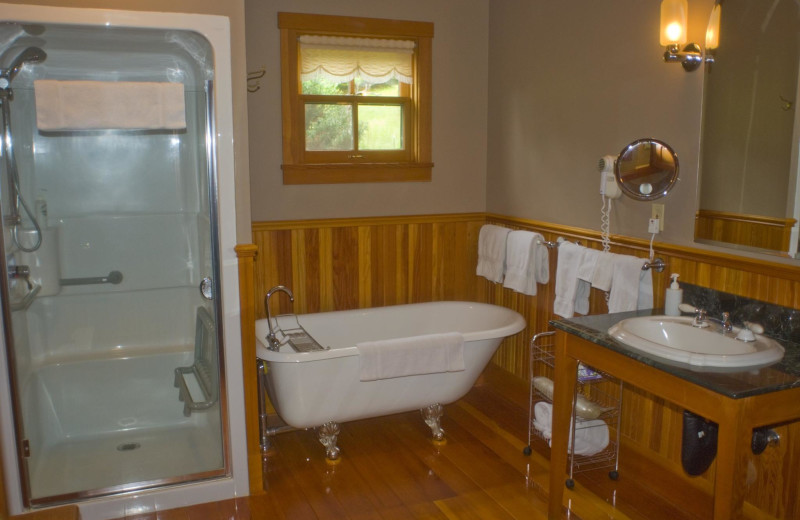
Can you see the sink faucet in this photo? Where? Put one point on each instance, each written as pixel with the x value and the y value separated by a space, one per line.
pixel 272 339
pixel 701 318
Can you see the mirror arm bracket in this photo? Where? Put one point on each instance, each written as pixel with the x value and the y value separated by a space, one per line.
pixel 691 57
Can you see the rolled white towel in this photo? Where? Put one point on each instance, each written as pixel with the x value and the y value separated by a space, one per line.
pixel 591 437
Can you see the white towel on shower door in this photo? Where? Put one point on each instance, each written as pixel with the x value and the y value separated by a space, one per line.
pixel 415 355
pixel 109 105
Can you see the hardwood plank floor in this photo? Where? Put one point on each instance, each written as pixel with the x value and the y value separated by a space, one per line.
pixel 390 469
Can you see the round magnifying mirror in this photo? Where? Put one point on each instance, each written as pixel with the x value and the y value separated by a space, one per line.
pixel 646 169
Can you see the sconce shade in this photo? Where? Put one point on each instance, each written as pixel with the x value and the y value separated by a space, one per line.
pixel 712 32
pixel 673 22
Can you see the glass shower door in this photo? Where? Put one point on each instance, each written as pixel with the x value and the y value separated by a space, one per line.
pixel 111 322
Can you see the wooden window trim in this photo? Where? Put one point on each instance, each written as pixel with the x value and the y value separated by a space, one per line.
pixel 297 169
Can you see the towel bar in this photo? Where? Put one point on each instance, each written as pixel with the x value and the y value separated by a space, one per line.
pixel 656 265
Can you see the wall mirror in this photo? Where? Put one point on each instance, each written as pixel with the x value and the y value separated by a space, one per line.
pixel 748 187
pixel 646 169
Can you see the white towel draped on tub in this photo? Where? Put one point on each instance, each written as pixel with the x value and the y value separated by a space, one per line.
pixel 492 252
pixel 99 105
pixel 415 355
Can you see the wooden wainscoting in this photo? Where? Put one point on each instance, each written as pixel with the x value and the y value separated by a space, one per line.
pixel 748 230
pixel 356 263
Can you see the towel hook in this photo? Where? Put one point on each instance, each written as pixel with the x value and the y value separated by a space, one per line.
pixel 254 76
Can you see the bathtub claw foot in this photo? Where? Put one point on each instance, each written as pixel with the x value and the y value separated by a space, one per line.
pixel 432 415
pixel 328 434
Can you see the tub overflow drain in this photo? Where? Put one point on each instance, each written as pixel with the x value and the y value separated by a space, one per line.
pixel 129 446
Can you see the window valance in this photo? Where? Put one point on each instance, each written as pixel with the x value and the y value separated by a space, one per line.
pixel 341 59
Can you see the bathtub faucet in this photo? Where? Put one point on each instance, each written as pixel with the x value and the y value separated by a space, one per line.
pixel 274 344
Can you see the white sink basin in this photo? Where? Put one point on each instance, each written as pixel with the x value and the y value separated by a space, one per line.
pixel 675 339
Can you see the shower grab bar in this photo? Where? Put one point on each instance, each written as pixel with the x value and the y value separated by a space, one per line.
pixel 26 300
pixel 114 277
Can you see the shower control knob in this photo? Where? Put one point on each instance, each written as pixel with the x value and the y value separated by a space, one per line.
pixel 207 288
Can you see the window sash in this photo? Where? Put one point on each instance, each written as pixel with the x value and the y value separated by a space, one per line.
pixel 356 155
pixel 298 168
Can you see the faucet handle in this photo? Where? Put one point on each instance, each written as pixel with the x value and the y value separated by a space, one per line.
pixel 687 307
pixel 749 331
pixel 699 314
pixel 753 327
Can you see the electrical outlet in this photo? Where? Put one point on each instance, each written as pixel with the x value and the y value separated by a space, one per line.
pixel 653 225
pixel 657 212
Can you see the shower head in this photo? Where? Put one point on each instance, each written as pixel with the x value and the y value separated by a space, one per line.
pixel 29 55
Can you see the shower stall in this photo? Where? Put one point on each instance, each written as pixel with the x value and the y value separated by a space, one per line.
pixel 119 288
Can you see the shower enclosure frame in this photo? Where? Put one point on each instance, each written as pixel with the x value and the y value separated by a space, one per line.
pixel 219 140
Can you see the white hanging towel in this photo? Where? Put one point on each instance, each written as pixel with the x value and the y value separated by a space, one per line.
pixel 624 295
pixel 645 300
pixel 519 249
pixel 603 271
pixel 585 274
pixel 569 261
pixel 539 266
pixel 107 105
pixel 492 252
pixel 416 355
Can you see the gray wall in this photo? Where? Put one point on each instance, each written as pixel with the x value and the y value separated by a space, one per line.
pixel 571 82
pixel 460 97
pixel 562 84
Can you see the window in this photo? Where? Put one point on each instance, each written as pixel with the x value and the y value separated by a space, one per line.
pixel 356 96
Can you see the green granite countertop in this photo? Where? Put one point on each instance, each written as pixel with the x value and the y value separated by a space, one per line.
pixel 735 383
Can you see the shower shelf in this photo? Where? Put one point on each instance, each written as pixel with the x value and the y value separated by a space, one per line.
pixel 593 388
pixel 204 369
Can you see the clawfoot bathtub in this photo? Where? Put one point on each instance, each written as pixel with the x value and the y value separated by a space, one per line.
pixel 322 388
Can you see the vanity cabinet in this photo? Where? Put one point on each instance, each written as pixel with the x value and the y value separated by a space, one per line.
pixel 738 403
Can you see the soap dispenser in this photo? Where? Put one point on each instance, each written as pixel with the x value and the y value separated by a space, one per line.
pixel 674 297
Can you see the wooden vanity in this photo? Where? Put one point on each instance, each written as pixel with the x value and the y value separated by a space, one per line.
pixel 737 401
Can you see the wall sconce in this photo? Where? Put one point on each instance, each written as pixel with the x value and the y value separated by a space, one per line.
pixel 712 33
pixel 673 35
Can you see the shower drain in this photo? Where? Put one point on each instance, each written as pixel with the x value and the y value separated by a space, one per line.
pixel 129 446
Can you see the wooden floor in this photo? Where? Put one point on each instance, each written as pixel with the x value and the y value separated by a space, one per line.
pixel 390 469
